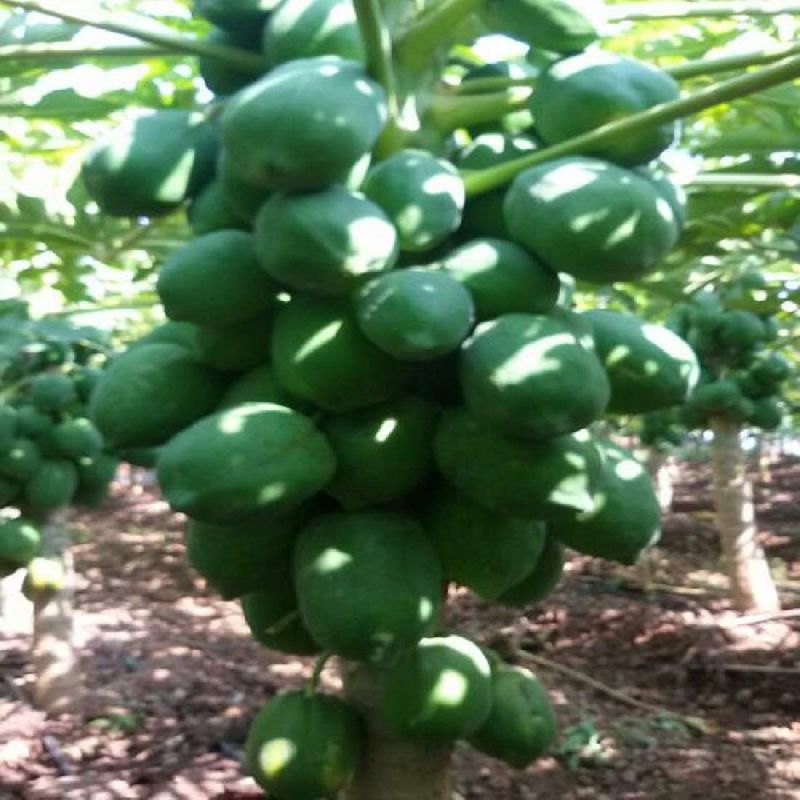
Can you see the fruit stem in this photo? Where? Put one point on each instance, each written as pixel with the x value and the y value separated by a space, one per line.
pixel 242 59
pixel 426 32
pixel 378 44
pixel 630 12
pixel 448 112
pixel 313 682
pixel 479 181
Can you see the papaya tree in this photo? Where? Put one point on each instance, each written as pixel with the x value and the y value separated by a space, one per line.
pixel 51 457
pixel 370 384
pixel 740 387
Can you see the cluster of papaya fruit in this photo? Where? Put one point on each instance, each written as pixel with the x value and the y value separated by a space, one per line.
pixel 367 388
pixel 51 454
pixel 741 373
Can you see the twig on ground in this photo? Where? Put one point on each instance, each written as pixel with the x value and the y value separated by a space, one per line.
pixel 753 668
pixel 57 754
pixel 695 723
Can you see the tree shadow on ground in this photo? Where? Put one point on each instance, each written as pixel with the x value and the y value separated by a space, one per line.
pixel 173 680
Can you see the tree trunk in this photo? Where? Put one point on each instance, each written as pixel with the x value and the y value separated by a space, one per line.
pixel 392 768
pixel 58 677
pixel 661 467
pixel 751 584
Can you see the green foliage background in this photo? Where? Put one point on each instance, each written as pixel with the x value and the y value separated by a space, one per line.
pixel 56 248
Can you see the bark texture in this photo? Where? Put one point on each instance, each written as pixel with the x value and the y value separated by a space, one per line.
pixel 751 584
pixel 58 677
pixel 392 768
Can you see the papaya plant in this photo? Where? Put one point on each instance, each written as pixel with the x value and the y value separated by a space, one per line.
pixel 51 457
pixel 370 384
pixel 733 330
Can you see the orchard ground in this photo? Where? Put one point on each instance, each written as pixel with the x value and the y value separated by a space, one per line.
pixel 173 678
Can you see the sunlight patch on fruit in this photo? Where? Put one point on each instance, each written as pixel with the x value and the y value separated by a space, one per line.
pixel 450 688
pixel 322 337
pixel 385 430
pixel 272 492
pixel 275 755
pixel 332 560
pixel 624 230
pixel 534 358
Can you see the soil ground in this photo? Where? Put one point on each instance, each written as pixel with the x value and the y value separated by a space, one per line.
pixel 173 679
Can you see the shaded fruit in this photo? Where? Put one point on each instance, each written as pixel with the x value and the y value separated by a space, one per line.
pixel 382 452
pixel 368 583
pixel 423 196
pixel 52 485
pixel 243 196
pixel 767 413
pixel 20 541
pixel 326 242
pixel 151 392
pixel 562 26
pixel 211 211
pixel 541 580
pixel 502 278
pixel 591 219
pixel 626 518
pixel 273 617
pixel 298 29
pixel 31 422
pixel 219 75
pixel 94 480
pixel 258 385
pixel 528 376
pixel 235 15
pixel 240 558
pixel 721 397
pixel 52 391
pixel 540 480
pixel 649 367
pixel 305 125
pixel 320 354
pixel 20 459
pixel 521 726
pixel 9 489
pixel 415 314
pixel 479 549
pixel 215 279
pixel 233 348
pixel 483 213
pixel 438 691
pixel 740 329
pixel 77 438
pixel 169 332
pixel 8 424
pixel 575 95
pixel 251 459
pixel 152 166
pixel 304 746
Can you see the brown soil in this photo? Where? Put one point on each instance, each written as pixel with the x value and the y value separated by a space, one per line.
pixel 173 678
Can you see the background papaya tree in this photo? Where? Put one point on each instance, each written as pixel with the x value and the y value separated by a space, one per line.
pixel 51 458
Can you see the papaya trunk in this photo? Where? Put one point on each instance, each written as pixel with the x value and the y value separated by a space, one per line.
pixel 751 584
pixel 661 467
pixel 58 685
pixel 392 768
